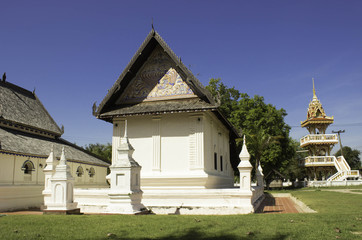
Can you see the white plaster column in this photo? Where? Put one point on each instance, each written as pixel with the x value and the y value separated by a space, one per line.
pixel 116 141
pixel 156 141
pixel 62 184
pixel 196 142
pixel 125 193
pixel 48 170
pixel 116 138
pixel 245 168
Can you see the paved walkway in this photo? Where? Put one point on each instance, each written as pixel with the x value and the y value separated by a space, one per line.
pixel 277 205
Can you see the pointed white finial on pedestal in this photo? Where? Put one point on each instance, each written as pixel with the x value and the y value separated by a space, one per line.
pixel 125 193
pixel 48 170
pixel 63 161
pixel 62 184
pixel 245 168
pixel 244 154
pixel 51 161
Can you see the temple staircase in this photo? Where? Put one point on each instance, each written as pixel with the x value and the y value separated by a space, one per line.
pixel 343 170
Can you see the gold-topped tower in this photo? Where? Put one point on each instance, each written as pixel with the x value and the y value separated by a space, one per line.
pixel 320 164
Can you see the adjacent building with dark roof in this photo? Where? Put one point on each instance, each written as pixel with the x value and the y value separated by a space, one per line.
pixel 27 135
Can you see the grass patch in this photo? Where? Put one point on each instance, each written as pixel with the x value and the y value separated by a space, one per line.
pixel 339 216
pixel 354 190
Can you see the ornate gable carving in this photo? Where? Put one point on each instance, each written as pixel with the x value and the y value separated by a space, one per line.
pixel 315 110
pixel 156 80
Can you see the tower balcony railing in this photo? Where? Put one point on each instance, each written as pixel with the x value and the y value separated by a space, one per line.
pixel 318 138
pixel 319 161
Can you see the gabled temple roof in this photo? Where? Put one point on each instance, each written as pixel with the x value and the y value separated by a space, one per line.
pixel 22 108
pixel 152 40
pixel 116 103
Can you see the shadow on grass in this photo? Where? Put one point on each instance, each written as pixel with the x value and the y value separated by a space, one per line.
pixel 197 234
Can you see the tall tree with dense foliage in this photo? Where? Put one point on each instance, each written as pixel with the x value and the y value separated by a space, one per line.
pixel 104 151
pixel 267 135
pixel 351 156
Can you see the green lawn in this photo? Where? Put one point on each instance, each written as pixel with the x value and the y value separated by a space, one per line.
pixel 339 216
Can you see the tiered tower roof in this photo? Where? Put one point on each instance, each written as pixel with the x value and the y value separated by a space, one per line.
pixel 316 113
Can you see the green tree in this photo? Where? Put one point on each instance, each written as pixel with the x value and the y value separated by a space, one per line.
pixel 351 156
pixel 293 169
pixel 267 134
pixel 104 151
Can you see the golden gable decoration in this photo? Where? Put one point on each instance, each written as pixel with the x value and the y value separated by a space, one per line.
pixel 157 80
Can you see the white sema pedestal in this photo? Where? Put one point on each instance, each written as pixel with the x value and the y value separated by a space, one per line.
pixel 62 184
pixel 125 194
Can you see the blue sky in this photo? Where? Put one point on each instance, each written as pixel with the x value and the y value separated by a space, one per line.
pixel 73 51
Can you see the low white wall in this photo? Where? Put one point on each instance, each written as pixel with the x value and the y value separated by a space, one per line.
pixel 91 200
pixel 334 183
pixel 198 201
pixel 20 197
pixel 177 201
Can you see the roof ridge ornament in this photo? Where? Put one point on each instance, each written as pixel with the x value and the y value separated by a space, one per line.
pixel 4 77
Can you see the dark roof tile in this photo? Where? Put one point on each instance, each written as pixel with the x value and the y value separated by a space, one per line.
pixel 29 144
pixel 21 106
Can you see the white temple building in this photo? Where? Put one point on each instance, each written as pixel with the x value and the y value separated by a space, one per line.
pixel 179 136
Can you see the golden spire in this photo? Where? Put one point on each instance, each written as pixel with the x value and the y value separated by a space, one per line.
pixel 314 95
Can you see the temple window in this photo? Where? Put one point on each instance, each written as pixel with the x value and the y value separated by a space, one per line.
pixel 92 172
pixel 215 160
pixel 28 167
pixel 79 171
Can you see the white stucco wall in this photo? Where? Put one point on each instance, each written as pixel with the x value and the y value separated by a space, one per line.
pixel 178 149
pixel 21 191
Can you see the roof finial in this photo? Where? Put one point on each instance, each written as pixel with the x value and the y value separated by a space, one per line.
pixel 244 154
pixel 314 95
pixel 4 77
pixel 152 24
pixel 63 160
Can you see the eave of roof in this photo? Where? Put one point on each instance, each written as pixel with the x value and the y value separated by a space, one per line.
pixel 159 107
pixel 13 141
pixel 326 120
